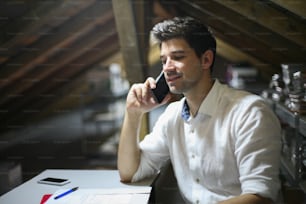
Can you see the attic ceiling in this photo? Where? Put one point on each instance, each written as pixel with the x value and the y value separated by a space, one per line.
pixel 47 46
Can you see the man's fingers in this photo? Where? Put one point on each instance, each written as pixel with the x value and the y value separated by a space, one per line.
pixel 146 91
pixel 151 82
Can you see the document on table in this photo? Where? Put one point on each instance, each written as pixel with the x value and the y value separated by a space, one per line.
pixel 137 195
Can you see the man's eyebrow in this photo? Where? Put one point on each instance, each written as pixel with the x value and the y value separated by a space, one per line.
pixel 178 52
pixel 175 52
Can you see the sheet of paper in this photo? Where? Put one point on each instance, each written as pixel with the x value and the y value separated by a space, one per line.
pixel 138 195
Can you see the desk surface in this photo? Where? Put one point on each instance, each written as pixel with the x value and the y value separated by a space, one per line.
pixel 32 192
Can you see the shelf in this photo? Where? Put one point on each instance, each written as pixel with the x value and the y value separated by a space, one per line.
pixel 288 169
pixel 302 125
pixel 293 171
pixel 286 115
pixel 292 119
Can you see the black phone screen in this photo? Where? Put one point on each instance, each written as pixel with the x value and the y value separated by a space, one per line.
pixel 162 88
pixel 56 180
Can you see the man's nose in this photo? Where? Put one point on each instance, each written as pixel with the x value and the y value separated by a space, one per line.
pixel 168 65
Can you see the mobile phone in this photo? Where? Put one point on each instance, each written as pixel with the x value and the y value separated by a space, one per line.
pixel 162 88
pixel 54 181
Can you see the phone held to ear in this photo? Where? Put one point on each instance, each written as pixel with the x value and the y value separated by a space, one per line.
pixel 161 89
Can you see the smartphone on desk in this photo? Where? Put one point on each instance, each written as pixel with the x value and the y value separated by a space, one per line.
pixel 162 88
pixel 54 181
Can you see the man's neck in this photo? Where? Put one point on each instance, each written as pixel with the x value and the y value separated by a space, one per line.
pixel 195 100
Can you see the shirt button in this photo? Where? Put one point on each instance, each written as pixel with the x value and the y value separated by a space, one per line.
pixel 193 156
pixel 198 180
pixel 192 130
pixel 197 201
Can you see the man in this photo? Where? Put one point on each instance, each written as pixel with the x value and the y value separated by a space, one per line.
pixel 224 144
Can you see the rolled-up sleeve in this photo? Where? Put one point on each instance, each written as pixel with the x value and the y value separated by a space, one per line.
pixel 257 149
pixel 154 151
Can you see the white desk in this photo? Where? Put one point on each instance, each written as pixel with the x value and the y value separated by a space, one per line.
pixel 31 192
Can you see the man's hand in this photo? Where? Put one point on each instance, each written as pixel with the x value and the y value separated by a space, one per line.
pixel 140 98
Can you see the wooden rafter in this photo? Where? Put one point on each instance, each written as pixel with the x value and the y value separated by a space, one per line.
pixel 245 34
pixel 63 57
pixel 51 46
pixel 297 7
pixel 37 97
pixel 58 13
pixel 277 21
pixel 129 44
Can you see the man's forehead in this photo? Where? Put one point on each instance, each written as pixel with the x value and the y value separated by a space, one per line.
pixel 174 46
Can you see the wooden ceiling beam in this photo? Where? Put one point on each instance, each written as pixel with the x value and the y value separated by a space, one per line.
pixel 231 53
pixel 50 45
pixel 33 103
pixel 62 57
pixel 74 72
pixel 298 7
pixel 30 33
pixel 143 20
pixel 275 20
pixel 129 21
pixel 226 32
pixel 237 28
pixel 19 16
pixel 253 40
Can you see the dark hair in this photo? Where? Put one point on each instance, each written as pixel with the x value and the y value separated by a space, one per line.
pixel 197 34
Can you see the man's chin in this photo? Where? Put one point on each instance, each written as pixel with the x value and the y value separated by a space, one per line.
pixel 174 90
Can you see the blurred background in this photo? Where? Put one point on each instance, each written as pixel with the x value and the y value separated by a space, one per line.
pixel 66 67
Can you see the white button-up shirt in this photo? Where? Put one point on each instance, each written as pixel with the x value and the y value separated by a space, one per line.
pixel 231 147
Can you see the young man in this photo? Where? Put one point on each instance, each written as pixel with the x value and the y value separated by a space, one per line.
pixel 224 144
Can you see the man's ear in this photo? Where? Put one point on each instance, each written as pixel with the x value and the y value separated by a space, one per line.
pixel 207 59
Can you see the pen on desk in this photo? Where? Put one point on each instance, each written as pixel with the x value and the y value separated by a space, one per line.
pixel 66 193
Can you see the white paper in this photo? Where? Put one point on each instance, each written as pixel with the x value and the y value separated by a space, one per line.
pixel 137 195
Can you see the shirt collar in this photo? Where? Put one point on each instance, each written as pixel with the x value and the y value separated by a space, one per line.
pixel 209 104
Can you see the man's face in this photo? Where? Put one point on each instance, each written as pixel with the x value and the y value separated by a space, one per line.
pixel 181 65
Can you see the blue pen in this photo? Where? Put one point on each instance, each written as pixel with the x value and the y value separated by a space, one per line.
pixel 66 193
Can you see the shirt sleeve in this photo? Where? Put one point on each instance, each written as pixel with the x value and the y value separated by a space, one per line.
pixel 257 149
pixel 154 150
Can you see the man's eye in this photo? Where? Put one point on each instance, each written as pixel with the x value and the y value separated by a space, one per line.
pixel 178 57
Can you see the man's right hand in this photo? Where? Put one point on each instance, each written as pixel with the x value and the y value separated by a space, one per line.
pixel 140 98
